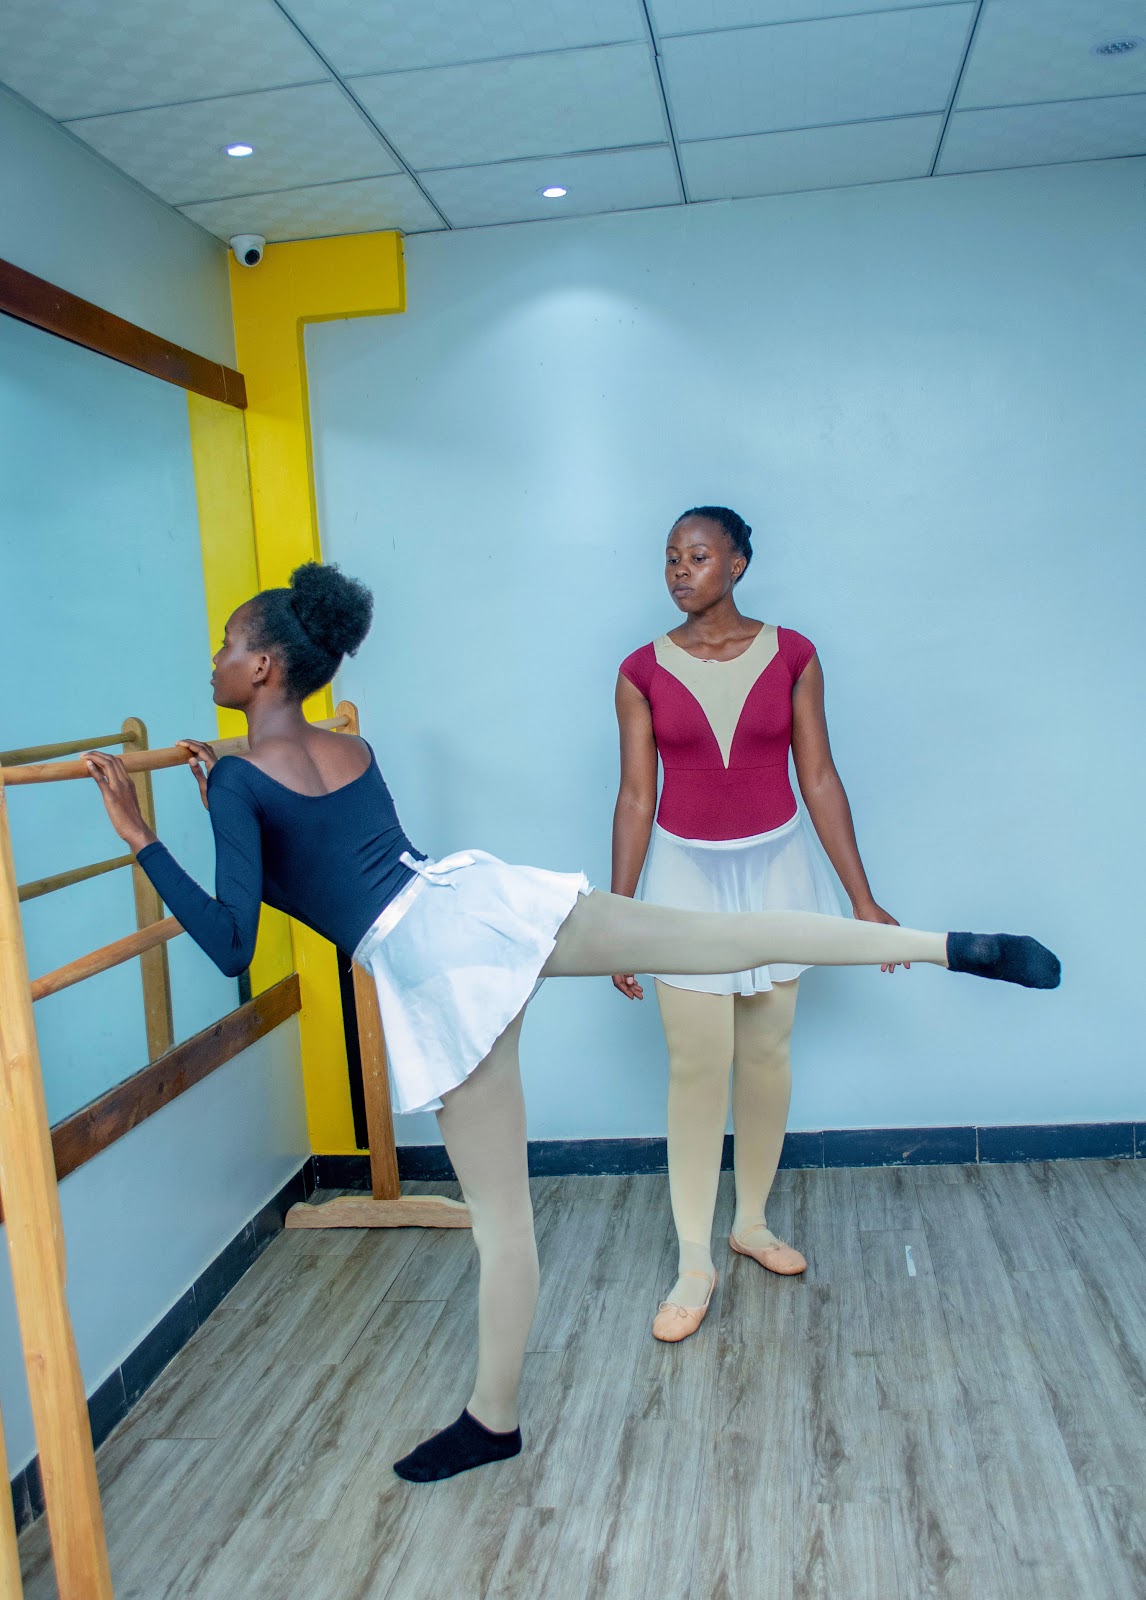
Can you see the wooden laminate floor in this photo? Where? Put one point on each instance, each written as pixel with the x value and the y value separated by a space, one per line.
pixel 952 1402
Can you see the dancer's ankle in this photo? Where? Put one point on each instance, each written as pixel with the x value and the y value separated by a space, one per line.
pixel 753 1231
pixel 466 1444
pixel 494 1418
pixel 695 1272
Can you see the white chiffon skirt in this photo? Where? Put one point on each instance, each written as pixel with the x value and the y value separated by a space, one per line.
pixel 454 957
pixel 784 870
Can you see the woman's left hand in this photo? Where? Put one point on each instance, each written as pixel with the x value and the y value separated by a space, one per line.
pixel 873 913
pixel 120 799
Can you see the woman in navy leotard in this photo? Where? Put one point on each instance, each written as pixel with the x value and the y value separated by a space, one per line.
pixel 305 822
pixel 723 701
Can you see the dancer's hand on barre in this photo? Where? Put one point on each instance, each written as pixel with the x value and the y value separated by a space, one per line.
pixel 626 984
pixel 201 758
pixel 120 798
pixel 873 913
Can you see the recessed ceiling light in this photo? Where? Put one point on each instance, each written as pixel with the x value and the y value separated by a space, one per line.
pixel 1117 47
pixel 554 192
pixel 240 150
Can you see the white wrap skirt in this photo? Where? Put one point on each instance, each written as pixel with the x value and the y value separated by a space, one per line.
pixel 454 957
pixel 783 870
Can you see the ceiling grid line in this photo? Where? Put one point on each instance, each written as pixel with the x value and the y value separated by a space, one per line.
pixel 424 115
pixel 654 46
pixel 802 22
pixel 391 151
pixel 956 86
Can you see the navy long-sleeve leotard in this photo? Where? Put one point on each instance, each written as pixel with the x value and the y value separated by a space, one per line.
pixel 331 860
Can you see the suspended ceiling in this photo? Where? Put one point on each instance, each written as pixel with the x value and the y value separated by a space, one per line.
pixel 431 114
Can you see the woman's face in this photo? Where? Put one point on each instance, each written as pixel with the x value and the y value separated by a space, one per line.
pixel 701 565
pixel 238 668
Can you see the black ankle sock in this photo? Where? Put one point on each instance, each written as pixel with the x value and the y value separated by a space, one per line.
pixel 464 1444
pixel 1011 957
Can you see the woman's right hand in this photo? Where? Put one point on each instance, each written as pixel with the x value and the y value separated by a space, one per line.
pixel 625 983
pixel 200 758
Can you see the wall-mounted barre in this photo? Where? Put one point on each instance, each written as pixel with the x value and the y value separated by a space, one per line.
pixel 134 761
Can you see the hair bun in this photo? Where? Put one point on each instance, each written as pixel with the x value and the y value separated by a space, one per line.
pixel 333 610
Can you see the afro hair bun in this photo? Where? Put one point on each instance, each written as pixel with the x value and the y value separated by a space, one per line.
pixel 334 611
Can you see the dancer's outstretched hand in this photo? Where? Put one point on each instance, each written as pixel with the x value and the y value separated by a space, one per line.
pixel 874 913
pixel 625 983
pixel 200 758
pixel 120 799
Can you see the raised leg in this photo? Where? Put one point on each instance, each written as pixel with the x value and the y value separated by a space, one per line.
pixel 606 933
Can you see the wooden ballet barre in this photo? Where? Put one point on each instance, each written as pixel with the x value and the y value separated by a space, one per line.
pixel 106 957
pixel 64 880
pixel 134 761
pixel 49 752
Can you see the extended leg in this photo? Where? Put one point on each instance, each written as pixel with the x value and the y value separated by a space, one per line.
pixel 483 1125
pixel 698 1032
pixel 606 933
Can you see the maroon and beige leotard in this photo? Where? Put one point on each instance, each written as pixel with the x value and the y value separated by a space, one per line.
pixel 729 835
pixel 723 731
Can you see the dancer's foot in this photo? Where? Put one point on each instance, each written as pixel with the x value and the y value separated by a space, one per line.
pixel 772 1253
pixel 1010 957
pixel 673 1321
pixel 464 1444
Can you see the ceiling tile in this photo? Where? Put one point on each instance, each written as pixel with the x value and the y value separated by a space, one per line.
pixel 1029 50
pixel 531 105
pixel 77 58
pixel 301 136
pixel 810 158
pixel 1039 136
pixel 850 69
pixel 359 36
pixel 362 206
pixel 612 180
pixel 702 16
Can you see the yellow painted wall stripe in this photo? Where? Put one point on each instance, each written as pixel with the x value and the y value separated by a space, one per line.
pixel 312 280
pixel 230 574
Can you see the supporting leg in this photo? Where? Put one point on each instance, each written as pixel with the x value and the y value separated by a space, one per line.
pixel 761 1093
pixel 483 1126
pixel 699 1035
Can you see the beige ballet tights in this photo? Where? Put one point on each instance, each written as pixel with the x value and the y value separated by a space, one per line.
pixel 483 1120
pixel 706 1034
pixel 483 1128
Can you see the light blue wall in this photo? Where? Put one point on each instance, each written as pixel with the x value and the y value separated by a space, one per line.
pixel 928 399
pixel 103 616
pixel 99 545
pixel 69 217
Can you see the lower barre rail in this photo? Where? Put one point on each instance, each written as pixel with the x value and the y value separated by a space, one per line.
pixel 64 880
pixel 106 957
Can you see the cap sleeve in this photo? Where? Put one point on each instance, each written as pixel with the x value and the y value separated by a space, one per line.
pixel 639 668
pixel 795 649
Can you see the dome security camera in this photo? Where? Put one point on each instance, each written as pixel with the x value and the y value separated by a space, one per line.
pixel 248 248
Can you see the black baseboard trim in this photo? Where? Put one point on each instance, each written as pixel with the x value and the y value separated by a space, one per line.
pixel 118 1393
pixel 832 1147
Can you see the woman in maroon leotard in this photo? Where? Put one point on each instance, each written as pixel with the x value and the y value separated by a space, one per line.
pixel 722 700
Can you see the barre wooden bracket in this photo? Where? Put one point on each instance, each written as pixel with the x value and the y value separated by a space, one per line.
pixel 363 1211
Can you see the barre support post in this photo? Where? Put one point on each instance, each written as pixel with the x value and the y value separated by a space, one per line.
pixel 36 1248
